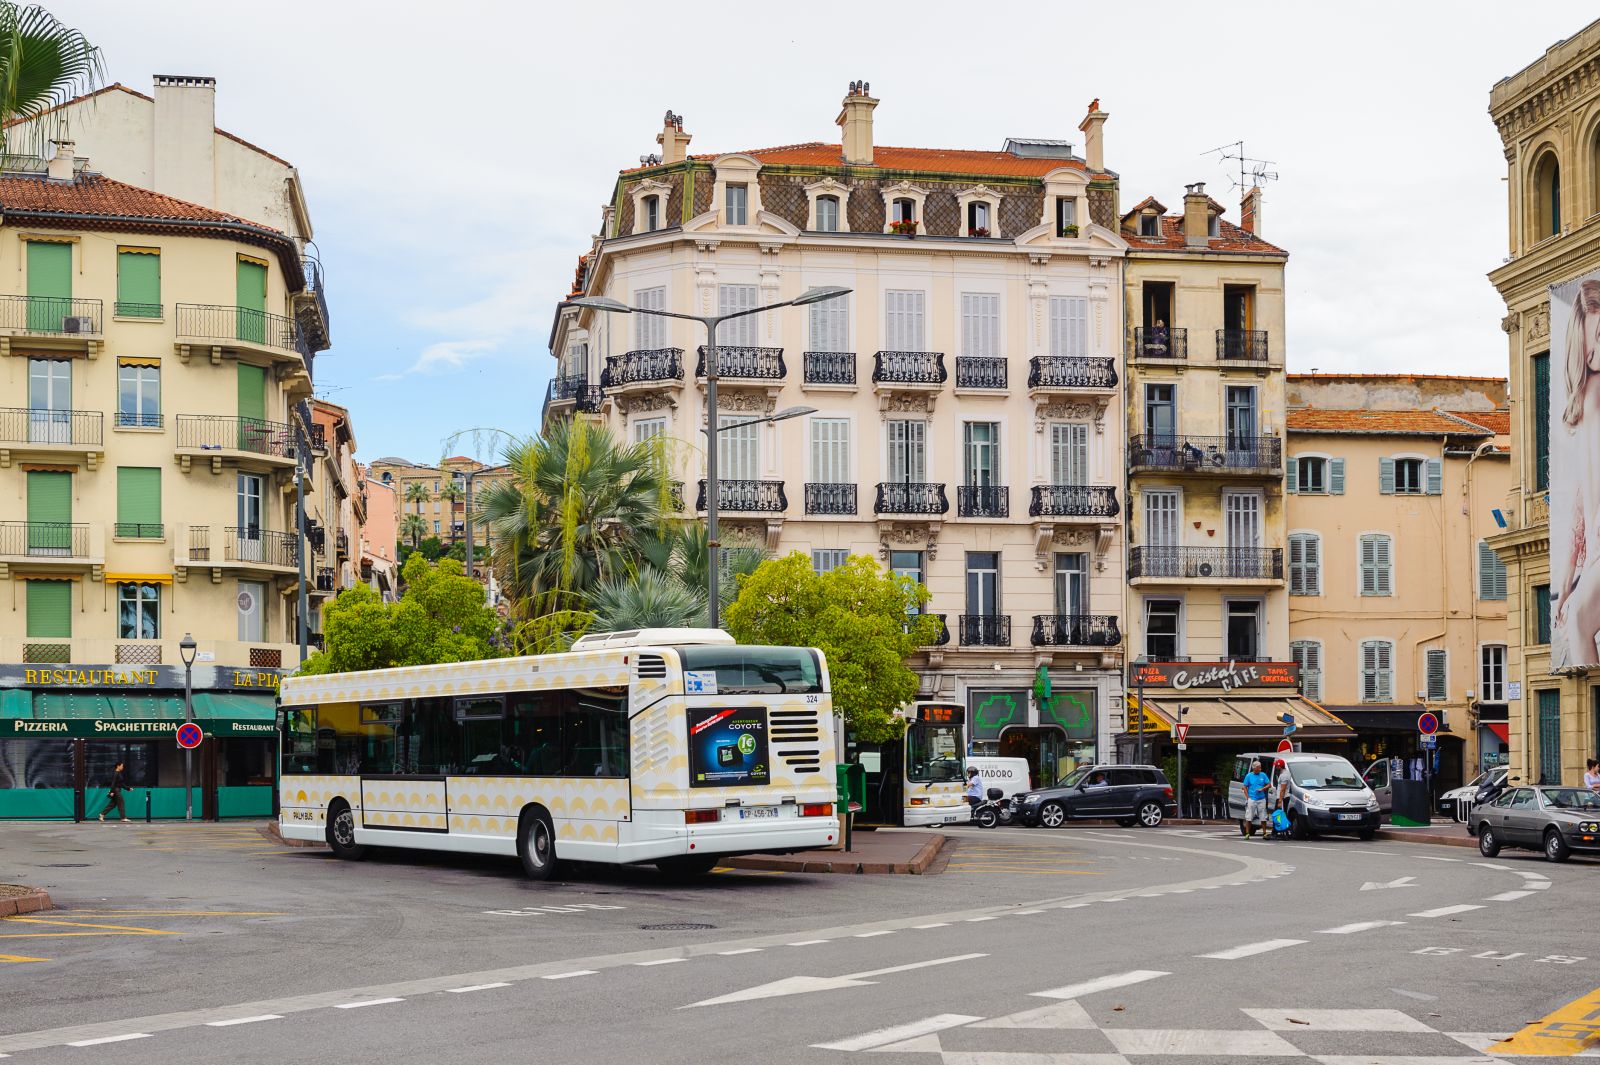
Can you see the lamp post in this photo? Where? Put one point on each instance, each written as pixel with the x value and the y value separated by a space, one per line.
pixel 711 322
pixel 469 476
pixel 186 650
pixel 1182 710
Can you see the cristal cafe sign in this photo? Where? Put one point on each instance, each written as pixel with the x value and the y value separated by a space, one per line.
pixel 1225 676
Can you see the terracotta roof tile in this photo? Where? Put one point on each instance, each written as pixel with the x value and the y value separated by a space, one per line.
pixel 1496 421
pixel 95 194
pixel 1381 422
pixel 1232 238
pixel 885 157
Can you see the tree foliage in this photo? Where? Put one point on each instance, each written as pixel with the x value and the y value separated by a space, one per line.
pixel 441 617
pixel 858 615
pixel 43 63
pixel 668 585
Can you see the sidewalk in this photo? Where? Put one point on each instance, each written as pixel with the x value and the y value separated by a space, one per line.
pixel 883 851
pixel 1444 832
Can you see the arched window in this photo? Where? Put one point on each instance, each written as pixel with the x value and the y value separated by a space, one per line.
pixel 652 213
pixel 828 214
pixel 1547 196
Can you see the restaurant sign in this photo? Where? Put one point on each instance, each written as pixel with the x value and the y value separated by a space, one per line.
pixel 112 728
pixel 1224 676
pixel 148 678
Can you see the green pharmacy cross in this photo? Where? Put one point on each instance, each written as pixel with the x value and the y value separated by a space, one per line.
pixel 996 711
pixel 1069 709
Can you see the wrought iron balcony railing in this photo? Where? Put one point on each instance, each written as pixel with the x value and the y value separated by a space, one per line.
pixel 980 371
pixel 1076 630
pixel 1160 342
pixel 129 419
pixel 985 630
pixel 567 386
pixel 1213 454
pixel 60 315
pixel 740 363
pixel 44 539
pixel 944 630
pixel 647 366
pixel 316 537
pixel 216 322
pixel 325 579
pixel 130 309
pixel 1071 371
pixel 139 530
pixel 910 497
pixel 909 368
pixel 829 367
pixel 19 425
pixel 319 437
pixel 746 497
pixel 1073 501
pixel 249 544
pixel 983 501
pixel 825 498
pixel 1207 563
pixel 588 400
pixel 219 432
pixel 341 542
pixel 1242 345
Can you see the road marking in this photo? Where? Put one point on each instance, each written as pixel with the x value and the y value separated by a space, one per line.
pixel 879 932
pixel 1398 882
pixel 1435 858
pixel 18 958
pixel 741 950
pixel 974 920
pixel 1251 949
pixel 1132 1041
pixel 1024 913
pixel 367 1002
pixel 245 1020
pixel 1508 896
pixel 104 929
pixel 1068 1014
pixel 1493 865
pixel 660 961
pixel 1359 926
pixel 1104 983
pixel 807 943
pixel 799 985
pixel 1536 885
pixel 1445 911
pixel 900 1032
pixel 475 987
pixel 110 1039
pixel 1337 1020
pixel 178 913
pixel 936 924
pixel 1564 1033
pixel 568 976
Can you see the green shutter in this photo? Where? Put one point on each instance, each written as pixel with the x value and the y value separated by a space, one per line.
pixel 1549 736
pixel 49 285
pixel 139 501
pixel 49 513
pixel 251 297
pixel 1294 474
pixel 1541 421
pixel 50 609
pixel 252 406
pixel 138 284
pixel 1541 613
pixel 1435 475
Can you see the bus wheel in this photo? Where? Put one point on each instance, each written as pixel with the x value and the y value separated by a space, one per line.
pixel 536 846
pixel 687 866
pixel 342 833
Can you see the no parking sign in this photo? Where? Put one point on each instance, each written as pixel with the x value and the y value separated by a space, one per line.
pixel 190 735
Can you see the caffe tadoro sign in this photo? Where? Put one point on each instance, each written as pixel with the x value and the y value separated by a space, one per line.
pixel 1225 676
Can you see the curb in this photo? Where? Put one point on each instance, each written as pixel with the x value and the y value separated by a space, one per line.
pixel 270 831
pixel 780 863
pixel 35 900
pixel 1438 841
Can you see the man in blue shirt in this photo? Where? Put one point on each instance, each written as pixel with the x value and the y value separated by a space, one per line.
pixel 975 789
pixel 1255 792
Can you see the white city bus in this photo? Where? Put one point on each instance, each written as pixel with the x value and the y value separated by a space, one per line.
pixel 920 778
pixel 672 746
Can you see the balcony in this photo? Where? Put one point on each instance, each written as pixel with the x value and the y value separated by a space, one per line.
pixel 1071 373
pixel 232 548
pixel 830 498
pixel 1160 342
pixel 1076 630
pixel 52 545
pixel 984 630
pixel 643 371
pixel 918 369
pixel 139 530
pixel 236 328
pixel 129 419
pixel 325 580
pixel 980 372
pixel 745 364
pixel 341 540
pixel 130 309
pixel 316 536
pixel 983 501
pixel 571 388
pixel 319 437
pixel 746 497
pixel 910 497
pixel 60 323
pixel 249 442
pixel 311 307
pixel 1242 345
pixel 1246 565
pixel 51 432
pixel 1073 501
pixel 829 368
pixel 944 631
pixel 1213 455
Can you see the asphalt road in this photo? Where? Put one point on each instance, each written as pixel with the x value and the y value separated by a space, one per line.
pixel 206 944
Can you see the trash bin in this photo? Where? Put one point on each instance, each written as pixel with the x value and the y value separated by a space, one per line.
pixel 1413 803
pixel 852 795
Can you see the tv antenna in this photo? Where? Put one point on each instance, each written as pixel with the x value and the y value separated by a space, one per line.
pixel 1253 173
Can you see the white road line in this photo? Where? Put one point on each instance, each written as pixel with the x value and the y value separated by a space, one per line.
pixel 660 961
pixel 568 976
pixel 1508 896
pixel 245 1020
pixel 1333 1020
pixel 1436 858
pixel 1493 865
pixel 1536 885
pixel 742 950
pixel 912 965
pixel 1250 949
pixel 936 924
pixel 367 1002
pixel 899 1032
pixel 807 943
pixel 1075 905
pixel 110 1039
pixel 1445 911
pixel 1359 926
pixel 476 987
pixel 974 920
pixel 1136 1041
pixel 870 935
pixel 1104 983
pixel 1531 876
pixel 1024 913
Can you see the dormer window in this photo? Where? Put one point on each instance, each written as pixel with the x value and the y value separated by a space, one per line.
pixel 735 208
pixel 828 214
pixel 1213 225
pixel 905 210
pixel 978 219
pixel 652 213
pixel 1066 216
pixel 1149 225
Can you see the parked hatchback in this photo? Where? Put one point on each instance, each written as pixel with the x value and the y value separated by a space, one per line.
pixel 1555 820
pixel 1127 794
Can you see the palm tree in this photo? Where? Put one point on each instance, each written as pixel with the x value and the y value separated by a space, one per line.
pixel 413 528
pixel 669 588
pixel 42 64
pixel 417 492
pixel 451 493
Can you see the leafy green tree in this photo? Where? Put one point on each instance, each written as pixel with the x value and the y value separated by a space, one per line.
pixel 441 617
pixel 42 64
pixel 858 615
pixel 669 586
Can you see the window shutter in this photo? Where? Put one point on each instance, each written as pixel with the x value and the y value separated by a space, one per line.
pixel 1369 672
pixel 1385 676
pixel 1294 474
pixel 1369 565
pixel 1336 477
pixel 139 495
pixel 1307 654
pixel 50 609
pixel 649 330
pixel 1313 565
pixel 1297 561
pixel 1069 325
pixel 829 331
pixel 1386 476
pixel 1435 477
pixel 740 332
pixel 904 325
pixel 139 283
pixel 1438 663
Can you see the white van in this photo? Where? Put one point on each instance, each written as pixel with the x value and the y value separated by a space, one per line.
pixel 1010 775
pixel 1326 794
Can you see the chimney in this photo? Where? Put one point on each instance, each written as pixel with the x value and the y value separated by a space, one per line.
pixel 185 138
pixel 855 119
pixel 60 168
pixel 1196 215
pixel 1250 211
pixel 673 140
pixel 1094 138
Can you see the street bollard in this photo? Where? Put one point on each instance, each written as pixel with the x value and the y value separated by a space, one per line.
pixel 147 806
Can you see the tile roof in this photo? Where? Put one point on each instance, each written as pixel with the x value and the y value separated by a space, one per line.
pixel 95 194
pixel 1382 422
pixel 1390 376
pixel 936 160
pixel 1232 238
pixel 1496 421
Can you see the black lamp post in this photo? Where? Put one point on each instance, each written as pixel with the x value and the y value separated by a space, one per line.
pixel 186 650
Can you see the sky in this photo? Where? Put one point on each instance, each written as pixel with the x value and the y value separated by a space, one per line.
pixel 456 157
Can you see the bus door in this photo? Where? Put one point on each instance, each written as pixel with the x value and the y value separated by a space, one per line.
pixel 881 763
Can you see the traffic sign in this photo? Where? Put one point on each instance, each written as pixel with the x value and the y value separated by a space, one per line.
pixel 1285 744
pixel 1427 723
pixel 1288 723
pixel 1429 741
pixel 1183 746
pixel 189 735
pixel 1182 728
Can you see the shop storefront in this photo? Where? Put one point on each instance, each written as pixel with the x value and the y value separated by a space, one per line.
pixel 1390 732
pixel 63 729
pixel 1494 735
pixel 1054 725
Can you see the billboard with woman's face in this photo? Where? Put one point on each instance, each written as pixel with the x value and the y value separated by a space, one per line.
pixel 1575 472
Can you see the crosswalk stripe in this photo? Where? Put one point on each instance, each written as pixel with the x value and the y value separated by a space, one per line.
pixel 1251 949
pixel 899 1032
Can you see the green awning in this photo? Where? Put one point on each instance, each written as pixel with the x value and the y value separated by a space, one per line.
pixel 234 714
pixel 130 715
pixel 15 703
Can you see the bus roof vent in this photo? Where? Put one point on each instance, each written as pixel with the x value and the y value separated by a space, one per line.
pixel 602 641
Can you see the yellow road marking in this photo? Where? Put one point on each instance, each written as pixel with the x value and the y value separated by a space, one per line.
pixel 18 958
pixel 109 929
pixel 1570 1029
pixel 176 913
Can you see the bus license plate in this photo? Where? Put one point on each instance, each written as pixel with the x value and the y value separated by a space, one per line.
pixel 750 813
pixel 1349 817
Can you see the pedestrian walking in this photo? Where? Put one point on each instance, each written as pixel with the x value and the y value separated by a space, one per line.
pixel 119 782
pixel 1591 774
pixel 1256 784
pixel 975 794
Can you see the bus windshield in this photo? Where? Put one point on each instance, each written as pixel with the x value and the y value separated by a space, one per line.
pixel 933 753
pixel 755 670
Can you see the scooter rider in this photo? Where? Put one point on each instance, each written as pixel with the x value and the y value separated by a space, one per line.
pixel 975 789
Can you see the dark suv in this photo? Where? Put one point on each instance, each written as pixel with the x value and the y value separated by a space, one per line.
pixel 1127 794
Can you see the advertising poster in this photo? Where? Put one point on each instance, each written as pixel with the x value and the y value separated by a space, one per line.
pixel 1575 472
pixel 728 747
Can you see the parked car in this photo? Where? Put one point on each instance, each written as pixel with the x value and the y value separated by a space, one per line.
pixel 1450 801
pixel 1555 820
pixel 1326 794
pixel 1128 794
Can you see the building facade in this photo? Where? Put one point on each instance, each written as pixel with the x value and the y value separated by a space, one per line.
pixel 380 536
pixel 336 509
pixel 1548 117
pixel 438 495
pixel 968 391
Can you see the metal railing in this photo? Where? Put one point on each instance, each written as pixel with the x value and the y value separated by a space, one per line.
pixel 568 386
pixel 829 367
pixel 1076 630
pixel 260 545
pixel 588 400
pixel 1071 371
pixel 1242 345
pixel 746 497
pixel 129 419
pixel 57 315
pixel 822 498
pixel 744 363
pixel 316 536
pixel 1219 454
pixel 44 539
pixel 1207 563
pixel 983 501
pixel 139 530
pixel 218 432
pixel 325 579
pixel 643 367
pixel 19 425
pixel 130 309
pixel 319 437
pixel 1073 501
pixel 984 630
pixel 980 371
pixel 314 284
pixel 910 497
pixel 909 368
pixel 341 541
pixel 217 322
pixel 1160 342
pixel 944 629
pixel 199 543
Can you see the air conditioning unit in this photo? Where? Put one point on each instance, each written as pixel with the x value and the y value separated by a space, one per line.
pixel 77 323
pixel 1205 569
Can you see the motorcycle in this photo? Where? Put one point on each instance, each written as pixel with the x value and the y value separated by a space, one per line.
pixel 995 810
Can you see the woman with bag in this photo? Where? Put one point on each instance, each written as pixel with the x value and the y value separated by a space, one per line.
pixel 119 781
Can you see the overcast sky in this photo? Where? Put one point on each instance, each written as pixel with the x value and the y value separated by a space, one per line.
pixel 456 155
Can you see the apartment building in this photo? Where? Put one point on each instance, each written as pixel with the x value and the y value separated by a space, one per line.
pixel 379 550
pixel 336 509
pixel 1397 603
pixel 968 408
pixel 438 494
pixel 1548 117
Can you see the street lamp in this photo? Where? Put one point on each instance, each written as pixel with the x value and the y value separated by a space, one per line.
pixel 469 476
pixel 186 650
pixel 711 322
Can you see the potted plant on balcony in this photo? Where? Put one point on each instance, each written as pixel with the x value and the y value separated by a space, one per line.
pixel 1069 230
pixel 903 227
pixel 978 231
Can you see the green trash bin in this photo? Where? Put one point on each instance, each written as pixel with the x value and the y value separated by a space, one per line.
pixel 852 795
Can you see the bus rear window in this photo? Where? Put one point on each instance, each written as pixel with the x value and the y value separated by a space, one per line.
pixel 756 670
